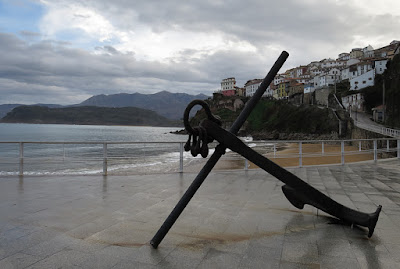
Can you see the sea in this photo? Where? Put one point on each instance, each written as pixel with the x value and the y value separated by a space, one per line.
pixel 59 149
pixel 48 149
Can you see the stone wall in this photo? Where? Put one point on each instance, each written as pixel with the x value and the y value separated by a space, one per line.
pixel 322 96
pixel 308 98
pixel 296 99
pixel 358 133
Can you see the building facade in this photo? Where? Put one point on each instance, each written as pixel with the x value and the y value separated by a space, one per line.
pixel 362 81
pixel 380 66
pixel 228 86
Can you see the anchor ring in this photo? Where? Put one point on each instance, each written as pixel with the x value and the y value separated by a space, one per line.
pixel 207 109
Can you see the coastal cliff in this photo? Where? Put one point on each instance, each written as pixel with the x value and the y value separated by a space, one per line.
pixel 275 120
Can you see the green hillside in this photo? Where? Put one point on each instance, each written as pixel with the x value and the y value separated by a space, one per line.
pixel 283 117
pixel 87 115
pixel 273 117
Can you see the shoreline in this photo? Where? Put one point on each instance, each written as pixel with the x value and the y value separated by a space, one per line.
pixel 287 156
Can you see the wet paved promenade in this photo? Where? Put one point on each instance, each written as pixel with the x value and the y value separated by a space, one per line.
pixel 236 220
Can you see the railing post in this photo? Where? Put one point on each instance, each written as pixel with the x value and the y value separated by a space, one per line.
pixel 181 157
pixel 359 145
pixel 323 148
pixel 21 158
pixel 274 150
pixel 104 159
pixel 375 150
pixel 342 152
pixel 300 154
pixel 398 148
pixel 387 146
pixel 246 164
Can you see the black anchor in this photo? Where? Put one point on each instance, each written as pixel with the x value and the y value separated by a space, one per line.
pixel 296 190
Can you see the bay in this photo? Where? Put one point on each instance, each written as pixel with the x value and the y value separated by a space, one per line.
pixel 136 153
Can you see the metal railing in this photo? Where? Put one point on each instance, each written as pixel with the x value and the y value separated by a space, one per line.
pixel 378 129
pixel 286 153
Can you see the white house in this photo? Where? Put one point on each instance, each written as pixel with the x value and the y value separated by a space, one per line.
pixel 300 71
pixel 309 88
pixel 330 63
pixel 317 81
pixel 278 79
pixel 368 51
pixel 305 79
pixel 315 70
pixel 328 78
pixel 251 87
pixel 354 102
pixel 344 56
pixel 362 81
pixel 345 74
pixel 327 63
pixel 352 61
pixel 356 70
pixel 228 84
pixel 364 67
pixel 380 66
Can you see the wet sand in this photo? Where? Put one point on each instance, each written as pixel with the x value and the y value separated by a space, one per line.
pixel 288 156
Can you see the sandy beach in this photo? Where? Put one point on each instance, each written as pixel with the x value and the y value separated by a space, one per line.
pixel 287 155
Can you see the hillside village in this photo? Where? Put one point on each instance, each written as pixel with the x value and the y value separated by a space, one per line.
pixel 302 85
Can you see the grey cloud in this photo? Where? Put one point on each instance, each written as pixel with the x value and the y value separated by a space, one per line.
pixel 67 72
pixel 292 23
pixel 309 31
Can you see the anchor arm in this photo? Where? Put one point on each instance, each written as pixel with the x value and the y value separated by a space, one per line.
pixel 296 190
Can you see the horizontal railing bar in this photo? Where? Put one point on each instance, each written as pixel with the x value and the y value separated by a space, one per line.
pixel 270 146
pixel 178 142
pixel 89 142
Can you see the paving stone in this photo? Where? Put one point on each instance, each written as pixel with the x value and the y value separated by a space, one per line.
pixel 237 219
pixel 18 260
pixel 220 259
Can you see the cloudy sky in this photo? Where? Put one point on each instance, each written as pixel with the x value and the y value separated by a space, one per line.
pixel 64 51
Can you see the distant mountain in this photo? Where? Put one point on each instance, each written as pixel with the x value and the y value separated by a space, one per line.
pixel 87 115
pixel 4 109
pixel 169 105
